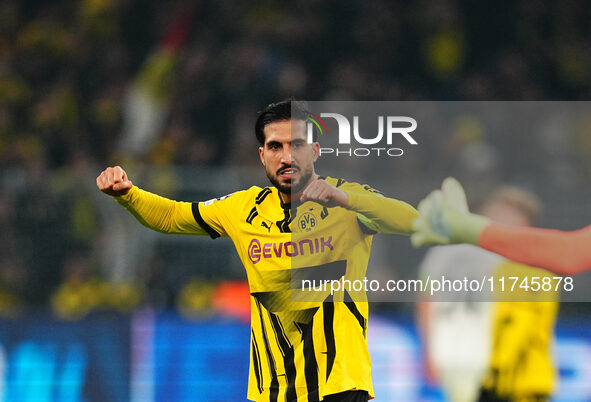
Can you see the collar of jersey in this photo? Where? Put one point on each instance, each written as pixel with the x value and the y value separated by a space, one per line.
pixel 272 207
pixel 267 207
pixel 284 205
pixel 288 205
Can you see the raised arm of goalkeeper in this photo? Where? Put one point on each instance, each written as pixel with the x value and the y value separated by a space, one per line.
pixel 445 219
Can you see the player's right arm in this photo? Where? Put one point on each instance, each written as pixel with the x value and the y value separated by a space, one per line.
pixel 444 219
pixel 155 212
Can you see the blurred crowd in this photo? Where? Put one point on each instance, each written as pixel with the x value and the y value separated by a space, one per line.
pixel 89 83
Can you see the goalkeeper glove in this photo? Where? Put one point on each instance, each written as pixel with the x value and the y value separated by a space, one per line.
pixel 444 218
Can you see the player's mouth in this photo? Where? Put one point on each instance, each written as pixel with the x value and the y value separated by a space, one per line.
pixel 288 172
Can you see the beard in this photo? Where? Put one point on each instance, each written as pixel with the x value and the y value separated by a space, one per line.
pixel 290 187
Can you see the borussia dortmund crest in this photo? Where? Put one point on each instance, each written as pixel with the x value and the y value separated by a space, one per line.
pixel 307 222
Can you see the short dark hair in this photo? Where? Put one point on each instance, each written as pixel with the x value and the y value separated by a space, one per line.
pixel 527 203
pixel 281 111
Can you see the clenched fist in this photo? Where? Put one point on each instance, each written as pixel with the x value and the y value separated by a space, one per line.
pixel 113 181
pixel 324 194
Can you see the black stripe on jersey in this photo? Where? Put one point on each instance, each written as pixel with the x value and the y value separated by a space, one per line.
pixel 372 190
pixel 340 182
pixel 283 225
pixel 323 273
pixel 274 387
pixel 331 349
pixel 493 379
pixel 251 215
pixel 282 340
pixel 262 195
pixel 355 311
pixel 288 357
pixel 257 362
pixel 519 367
pixel 310 364
pixel 199 219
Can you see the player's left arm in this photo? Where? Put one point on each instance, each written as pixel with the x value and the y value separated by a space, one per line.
pixel 387 215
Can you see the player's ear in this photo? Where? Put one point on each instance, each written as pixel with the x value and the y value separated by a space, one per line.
pixel 261 155
pixel 316 150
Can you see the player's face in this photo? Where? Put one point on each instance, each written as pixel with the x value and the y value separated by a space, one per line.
pixel 287 156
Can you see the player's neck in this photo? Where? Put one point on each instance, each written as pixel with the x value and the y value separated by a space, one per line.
pixel 285 198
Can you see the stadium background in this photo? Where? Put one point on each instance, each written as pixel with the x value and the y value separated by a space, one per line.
pixel 95 307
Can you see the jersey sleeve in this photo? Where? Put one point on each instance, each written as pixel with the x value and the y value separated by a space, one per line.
pixel 161 214
pixel 387 215
pixel 218 215
pixel 565 253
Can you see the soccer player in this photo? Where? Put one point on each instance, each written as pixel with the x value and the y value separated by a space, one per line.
pixel 304 226
pixel 445 219
pixel 490 351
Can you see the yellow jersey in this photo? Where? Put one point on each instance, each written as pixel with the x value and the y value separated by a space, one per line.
pixel 304 344
pixel 521 364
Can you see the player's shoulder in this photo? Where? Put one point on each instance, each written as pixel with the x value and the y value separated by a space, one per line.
pixel 254 195
pixel 258 194
pixel 234 197
pixel 346 185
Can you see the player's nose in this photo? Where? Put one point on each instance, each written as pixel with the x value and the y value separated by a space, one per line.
pixel 286 155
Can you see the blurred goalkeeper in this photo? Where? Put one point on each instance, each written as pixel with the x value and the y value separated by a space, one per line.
pixel 490 352
pixel 445 219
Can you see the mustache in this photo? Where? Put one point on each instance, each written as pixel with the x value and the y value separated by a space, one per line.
pixel 290 166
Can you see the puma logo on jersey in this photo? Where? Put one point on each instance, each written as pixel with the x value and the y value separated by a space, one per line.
pixel 268 227
pixel 256 251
